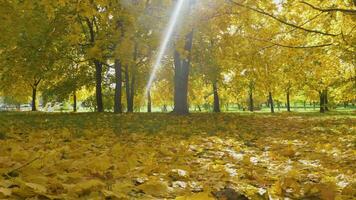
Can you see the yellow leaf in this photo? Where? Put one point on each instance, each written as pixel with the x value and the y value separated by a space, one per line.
pixel 86 187
pixel 37 188
pixel 156 188
pixel 5 192
pixel 198 196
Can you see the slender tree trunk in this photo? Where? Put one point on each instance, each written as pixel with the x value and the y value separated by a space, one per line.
pixel 305 105
pixel 271 102
pixel 34 96
pixel 345 104
pixel 314 105
pixel 128 90
pixel 279 105
pixel 118 87
pixel 132 93
pixel 181 77
pixel 99 95
pixel 130 104
pixel 250 102
pixel 199 108
pixel 288 101
pixel 322 106
pixel 216 108
pixel 149 103
pixel 74 101
pixel 326 101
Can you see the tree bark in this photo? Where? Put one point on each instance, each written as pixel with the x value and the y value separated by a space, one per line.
pixel 288 101
pixel 250 102
pixel 149 103
pixel 181 76
pixel 128 90
pixel 216 98
pixel 74 101
pixel 99 95
pixel 118 87
pixel 326 101
pixel 271 102
pixel 250 94
pixel 278 105
pixel 130 104
pixel 34 93
pixel 322 108
pixel 34 96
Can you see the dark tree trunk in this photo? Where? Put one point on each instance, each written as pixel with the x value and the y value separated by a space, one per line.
pixel 314 105
pixel 216 108
pixel 181 76
pixel 279 105
pixel 128 90
pixel 199 108
pixel 288 101
pixel 130 103
pixel 322 106
pixel 130 106
pixel 250 102
pixel 346 104
pixel 118 87
pixel 149 103
pixel 34 96
pixel 250 97
pixel 98 78
pixel 74 101
pixel 271 102
pixel 326 101
pixel 305 105
pixel 98 69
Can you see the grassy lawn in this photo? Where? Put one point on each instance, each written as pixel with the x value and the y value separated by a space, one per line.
pixel 162 156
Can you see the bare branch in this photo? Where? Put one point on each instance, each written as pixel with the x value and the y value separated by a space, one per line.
pixel 282 21
pixel 289 46
pixel 347 11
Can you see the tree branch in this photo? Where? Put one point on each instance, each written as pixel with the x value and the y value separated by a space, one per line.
pixel 347 11
pixel 282 21
pixel 289 46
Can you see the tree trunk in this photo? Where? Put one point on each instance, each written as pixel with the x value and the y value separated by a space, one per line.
pixel 130 106
pixel 118 87
pixel 34 96
pixel 279 105
pixel 288 101
pixel 326 101
pixel 99 95
pixel 322 108
pixel 216 98
pixel 250 102
pixel 314 105
pixel 181 76
pixel 128 90
pixel 271 102
pixel 345 104
pixel 74 101
pixel 149 103
pixel 130 103
pixel 305 105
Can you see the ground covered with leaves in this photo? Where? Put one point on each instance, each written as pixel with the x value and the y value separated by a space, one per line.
pixel 162 156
